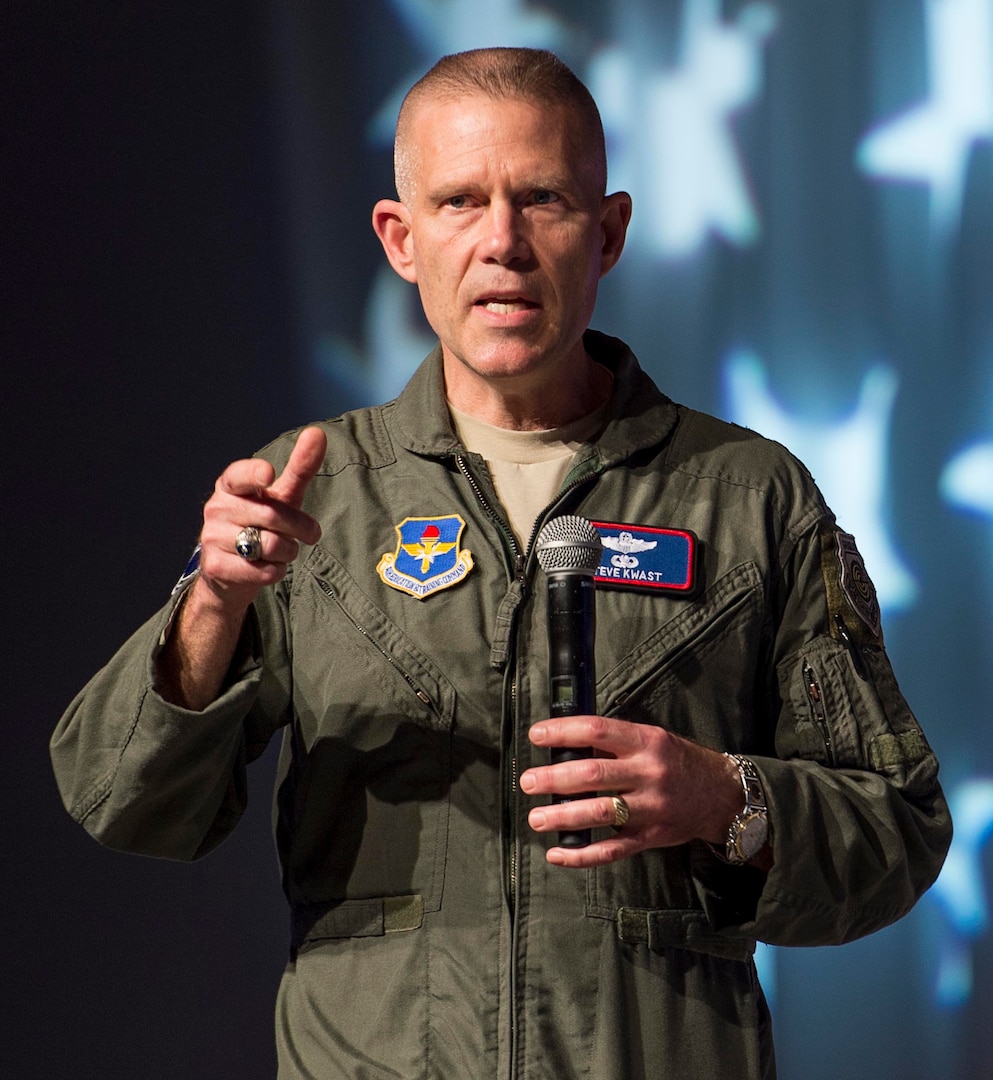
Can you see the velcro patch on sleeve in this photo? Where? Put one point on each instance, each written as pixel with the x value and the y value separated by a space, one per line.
pixel 850 590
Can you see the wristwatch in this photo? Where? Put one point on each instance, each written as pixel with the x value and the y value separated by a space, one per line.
pixel 750 829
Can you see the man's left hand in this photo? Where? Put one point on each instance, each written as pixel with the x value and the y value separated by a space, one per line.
pixel 675 789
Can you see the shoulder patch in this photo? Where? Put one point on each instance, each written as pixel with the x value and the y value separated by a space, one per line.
pixel 646 557
pixel 849 587
pixel 189 573
pixel 427 557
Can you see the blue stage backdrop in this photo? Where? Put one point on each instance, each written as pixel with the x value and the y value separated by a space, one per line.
pixel 811 255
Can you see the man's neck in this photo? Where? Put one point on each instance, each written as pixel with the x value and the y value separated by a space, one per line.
pixel 507 403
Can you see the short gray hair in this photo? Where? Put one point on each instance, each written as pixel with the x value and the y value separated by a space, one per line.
pixel 535 76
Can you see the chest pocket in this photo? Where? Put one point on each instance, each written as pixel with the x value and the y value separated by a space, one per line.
pixel 695 676
pixel 367 766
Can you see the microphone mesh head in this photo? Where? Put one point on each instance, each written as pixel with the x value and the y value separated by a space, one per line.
pixel 569 545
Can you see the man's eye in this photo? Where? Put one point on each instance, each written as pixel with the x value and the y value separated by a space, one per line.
pixel 543 197
pixel 457 202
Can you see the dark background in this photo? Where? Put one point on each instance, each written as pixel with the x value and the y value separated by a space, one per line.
pixel 147 342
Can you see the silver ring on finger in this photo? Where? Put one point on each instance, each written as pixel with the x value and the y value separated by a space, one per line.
pixel 248 543
pixel 621 811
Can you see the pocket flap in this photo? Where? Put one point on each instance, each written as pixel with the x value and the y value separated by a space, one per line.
pixel 356 918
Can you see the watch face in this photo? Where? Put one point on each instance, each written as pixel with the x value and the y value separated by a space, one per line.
pixel 752 834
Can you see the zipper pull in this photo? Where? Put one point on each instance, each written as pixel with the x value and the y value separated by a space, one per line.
pixel 857 662
pixel 817 705
pixel 813 690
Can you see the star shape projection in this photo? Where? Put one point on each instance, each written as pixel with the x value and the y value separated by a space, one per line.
pixel 931 142
pixel 847 455
pixel 669 132
pixel 701 190
pixel 960 890
pixel 441 27
pixel 967 480
pixel 395 339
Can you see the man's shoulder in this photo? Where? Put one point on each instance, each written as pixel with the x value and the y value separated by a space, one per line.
pixel 416 421
pixel 358 437
pixel 710 448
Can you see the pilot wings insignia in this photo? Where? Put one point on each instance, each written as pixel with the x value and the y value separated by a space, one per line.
pixel 428 548
pixel 626 543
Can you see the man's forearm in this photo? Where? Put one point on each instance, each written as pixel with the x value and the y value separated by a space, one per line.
pixel 193 665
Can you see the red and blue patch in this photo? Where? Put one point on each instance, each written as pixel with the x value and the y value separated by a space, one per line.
pixel 427 557
pixel 643 557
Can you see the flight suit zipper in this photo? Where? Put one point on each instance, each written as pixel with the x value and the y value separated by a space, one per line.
pixel 510 716
pixel 520 558
pixel 508 740
pixel 509 730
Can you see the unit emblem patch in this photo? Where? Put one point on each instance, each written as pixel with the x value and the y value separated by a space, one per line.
pixel 427 557
pixel 856 584
pixel 643 557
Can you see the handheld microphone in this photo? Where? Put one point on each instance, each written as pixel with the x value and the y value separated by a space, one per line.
pixel 569 550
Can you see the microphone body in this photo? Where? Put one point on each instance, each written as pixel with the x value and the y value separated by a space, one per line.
pixel 569 549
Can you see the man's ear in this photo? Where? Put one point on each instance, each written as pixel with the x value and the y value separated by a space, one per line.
pixel 615 213
pixel 391 223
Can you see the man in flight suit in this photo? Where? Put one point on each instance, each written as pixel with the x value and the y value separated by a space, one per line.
pixel 368 586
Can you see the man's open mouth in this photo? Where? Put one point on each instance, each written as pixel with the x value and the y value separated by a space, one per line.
pixel 505 305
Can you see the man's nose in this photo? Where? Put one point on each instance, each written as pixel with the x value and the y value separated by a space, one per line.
pixel 505 240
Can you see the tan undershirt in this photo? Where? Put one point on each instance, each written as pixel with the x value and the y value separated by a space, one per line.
pixel 527 467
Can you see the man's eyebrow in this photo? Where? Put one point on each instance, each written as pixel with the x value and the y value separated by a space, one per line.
pixel 562 182
pixel 540 181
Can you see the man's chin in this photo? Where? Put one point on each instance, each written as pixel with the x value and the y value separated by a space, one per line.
pixel 513 356
pixel 502 363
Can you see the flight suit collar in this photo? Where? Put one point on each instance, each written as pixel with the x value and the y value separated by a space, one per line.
pixel 640 415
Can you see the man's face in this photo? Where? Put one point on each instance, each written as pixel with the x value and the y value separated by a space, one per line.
pixel 505 234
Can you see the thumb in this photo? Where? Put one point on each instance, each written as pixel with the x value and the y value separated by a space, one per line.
pixel 305 459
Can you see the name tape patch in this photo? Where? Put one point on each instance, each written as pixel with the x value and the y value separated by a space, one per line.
pixel 643 557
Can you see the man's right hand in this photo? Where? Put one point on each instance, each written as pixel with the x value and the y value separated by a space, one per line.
pixel 193 665
pixel 249 493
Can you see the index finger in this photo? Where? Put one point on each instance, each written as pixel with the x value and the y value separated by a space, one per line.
pixel 304 461
pixel 602 733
